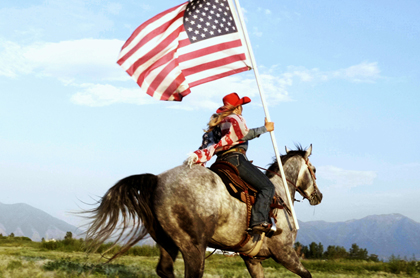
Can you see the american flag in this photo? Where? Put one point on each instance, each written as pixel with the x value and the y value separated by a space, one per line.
pixel 185 46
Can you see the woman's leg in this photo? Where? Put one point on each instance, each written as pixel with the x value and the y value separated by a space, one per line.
pixel 252 175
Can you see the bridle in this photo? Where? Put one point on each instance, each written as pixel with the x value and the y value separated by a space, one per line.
pixel 301 192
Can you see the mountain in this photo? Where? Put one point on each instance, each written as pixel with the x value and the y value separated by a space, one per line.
pixel 383 235
pixel 25 220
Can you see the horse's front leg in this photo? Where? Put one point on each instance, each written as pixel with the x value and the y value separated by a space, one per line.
pixel 287 256
pixel 254 267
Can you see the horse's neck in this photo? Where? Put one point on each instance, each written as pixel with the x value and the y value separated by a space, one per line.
pixel 291 170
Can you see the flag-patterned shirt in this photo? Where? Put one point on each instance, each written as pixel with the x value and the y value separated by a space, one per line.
pixel 233 132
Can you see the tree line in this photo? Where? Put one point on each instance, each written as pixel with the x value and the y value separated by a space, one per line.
pixel 316 251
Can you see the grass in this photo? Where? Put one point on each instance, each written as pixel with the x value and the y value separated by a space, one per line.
pixel 30 259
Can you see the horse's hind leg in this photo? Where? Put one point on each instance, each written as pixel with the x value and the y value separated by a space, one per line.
pixel 168 252
pixel 190 234
pixel 165 267
pixel 289 259
pixel 254 267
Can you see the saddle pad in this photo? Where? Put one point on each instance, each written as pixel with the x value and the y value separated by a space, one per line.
pixel 234 184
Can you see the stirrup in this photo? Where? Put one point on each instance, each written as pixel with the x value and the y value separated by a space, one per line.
pixel 273 229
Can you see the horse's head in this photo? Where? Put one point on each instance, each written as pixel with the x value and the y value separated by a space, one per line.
pixel 305 182
pixel 300 173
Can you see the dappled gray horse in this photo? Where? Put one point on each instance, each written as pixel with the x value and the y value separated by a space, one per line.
pixel 188 209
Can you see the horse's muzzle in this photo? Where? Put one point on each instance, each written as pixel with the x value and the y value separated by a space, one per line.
pixel 316 198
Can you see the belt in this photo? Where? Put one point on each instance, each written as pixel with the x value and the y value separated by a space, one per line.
pixel 238 150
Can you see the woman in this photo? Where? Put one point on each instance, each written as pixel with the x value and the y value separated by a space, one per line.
pixel 227 136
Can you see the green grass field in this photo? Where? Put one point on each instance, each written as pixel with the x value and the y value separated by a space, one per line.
pixel 23 259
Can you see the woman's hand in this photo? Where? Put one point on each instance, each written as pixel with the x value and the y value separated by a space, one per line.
pixel 269 125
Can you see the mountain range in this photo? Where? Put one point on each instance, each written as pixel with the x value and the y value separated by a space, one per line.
pixel 25 220
pixel 383 235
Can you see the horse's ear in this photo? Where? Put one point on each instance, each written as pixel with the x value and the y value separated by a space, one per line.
pixel 308 152
pixel 287 150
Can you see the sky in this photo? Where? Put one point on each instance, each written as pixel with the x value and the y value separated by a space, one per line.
pixel 343 76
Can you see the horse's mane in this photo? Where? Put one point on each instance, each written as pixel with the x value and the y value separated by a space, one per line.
pixel 274 167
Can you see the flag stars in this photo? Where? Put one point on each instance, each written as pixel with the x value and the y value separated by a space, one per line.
pixel 205 19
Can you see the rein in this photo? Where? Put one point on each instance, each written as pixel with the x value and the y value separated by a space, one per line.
pixel 276 174
pixel 294 185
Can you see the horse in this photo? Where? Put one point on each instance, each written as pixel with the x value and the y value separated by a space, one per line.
pixel 188 208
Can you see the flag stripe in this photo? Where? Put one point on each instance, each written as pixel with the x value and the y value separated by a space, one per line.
pixel 150 25
pixel 216 71
pixel 173 87
pixel 147 38
pixel 162 61
pixel 150 56
pixel 161 76
pixel 214 64
pixel 217 76
pixel 209 50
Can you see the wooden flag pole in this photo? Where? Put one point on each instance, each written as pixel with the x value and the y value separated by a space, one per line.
pixel 267 115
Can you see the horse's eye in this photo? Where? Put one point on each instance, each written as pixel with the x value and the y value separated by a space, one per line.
pixel 314 170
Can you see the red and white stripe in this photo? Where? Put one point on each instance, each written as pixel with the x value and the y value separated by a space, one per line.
pixel 163 62
pixel 233 129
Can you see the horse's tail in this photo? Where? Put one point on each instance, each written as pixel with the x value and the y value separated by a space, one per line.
pixel 127 204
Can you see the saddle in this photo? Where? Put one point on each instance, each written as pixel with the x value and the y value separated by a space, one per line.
pixel 240 189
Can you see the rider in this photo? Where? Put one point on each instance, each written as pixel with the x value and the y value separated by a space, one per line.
pixel 227 136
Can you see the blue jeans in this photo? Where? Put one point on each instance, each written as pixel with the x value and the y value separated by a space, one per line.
pixel 252 175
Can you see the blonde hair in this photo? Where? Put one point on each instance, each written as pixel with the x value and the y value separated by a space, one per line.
pixel 217 118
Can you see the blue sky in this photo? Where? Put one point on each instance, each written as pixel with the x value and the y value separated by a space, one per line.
pixel 341 75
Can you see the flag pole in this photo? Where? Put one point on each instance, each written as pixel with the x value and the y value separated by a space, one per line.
pixel 267 115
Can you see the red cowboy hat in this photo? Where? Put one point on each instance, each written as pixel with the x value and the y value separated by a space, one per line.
pixel 234 100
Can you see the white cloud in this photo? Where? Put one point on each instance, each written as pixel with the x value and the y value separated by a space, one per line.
pixel 345 178
pixel 94 60
pixel 267 11
pixel 101 95
pixel 363 72
pixel 91 59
